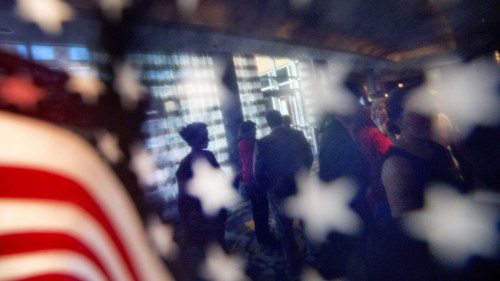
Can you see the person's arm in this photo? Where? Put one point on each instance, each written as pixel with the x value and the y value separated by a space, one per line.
pixel 399 182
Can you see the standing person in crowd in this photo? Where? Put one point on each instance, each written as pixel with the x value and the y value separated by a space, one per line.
pixel 278 158
pixel 415 160
pixel 378 114
pixel 199 228
pixel 339 156
pixel 374 145
pixel 413 163
pixel 257 196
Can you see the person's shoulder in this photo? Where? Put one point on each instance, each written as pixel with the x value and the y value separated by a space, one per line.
pixel 265 139
pixel 186 159
pixel 396 166
pixel 207 153
pixel 395 160
pixel 396 151
pixel 184 165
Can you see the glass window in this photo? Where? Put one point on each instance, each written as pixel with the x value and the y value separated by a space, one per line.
pixel 41 52
pixel 22 50
pixel 78 53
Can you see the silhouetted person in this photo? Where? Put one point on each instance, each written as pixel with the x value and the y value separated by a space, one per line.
pixel 339 156
pixel 278 158
pixel 374 145
pixel 378 114
pixel 415 160
pixel 199 228
pixel 412 164
pixel 256 194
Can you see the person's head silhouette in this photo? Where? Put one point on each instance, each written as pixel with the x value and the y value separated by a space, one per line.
pixel 274 119
pixel 196 135
pixel 247 130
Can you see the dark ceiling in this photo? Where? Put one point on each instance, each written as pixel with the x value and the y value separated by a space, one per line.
pixel 389 30
pixel 395 30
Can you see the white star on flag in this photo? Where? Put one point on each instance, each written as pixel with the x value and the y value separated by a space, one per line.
pixel 455 226
pixel 213 187
pixel 300 4
pixel 47 14
pixel 187 7
pixel 143 165
pixel 108 146
pixel 468 94
pixel 87 85
pixel 127 85
pixel 330 93
pixel 324 206
pixel 113 9
pixel 221 267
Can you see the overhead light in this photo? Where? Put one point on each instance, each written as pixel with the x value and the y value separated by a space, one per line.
pixel 401 85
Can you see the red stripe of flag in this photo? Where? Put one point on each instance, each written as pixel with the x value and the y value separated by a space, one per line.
pixel 51 277
pixel 41 241
pixel 27 183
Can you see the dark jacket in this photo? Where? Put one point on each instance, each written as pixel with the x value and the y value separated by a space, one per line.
pixel 278 157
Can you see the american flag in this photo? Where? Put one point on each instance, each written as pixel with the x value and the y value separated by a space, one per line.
pixel 63 212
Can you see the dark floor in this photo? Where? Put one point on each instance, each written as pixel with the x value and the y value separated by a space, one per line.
pixel 263 263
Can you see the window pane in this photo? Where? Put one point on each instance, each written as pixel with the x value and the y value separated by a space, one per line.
pixel 78 53
pixel 40 52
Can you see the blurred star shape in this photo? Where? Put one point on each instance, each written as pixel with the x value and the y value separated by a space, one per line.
pixel 113 9
pixel 144 166
pixel 213 187
pixel 47 14
pixel 187 7
pixel 20 91
pixel 162 236
pixel 324 207
pixel 467 94
pixel 300 4
pixel 330 93
pixel 219 266
pixel 455 226
pixel 108 146
pixel 88 86
pixel 127 85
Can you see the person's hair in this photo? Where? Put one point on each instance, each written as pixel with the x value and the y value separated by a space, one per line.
pixel 194 133
pixel 274 118
pixel 246 129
